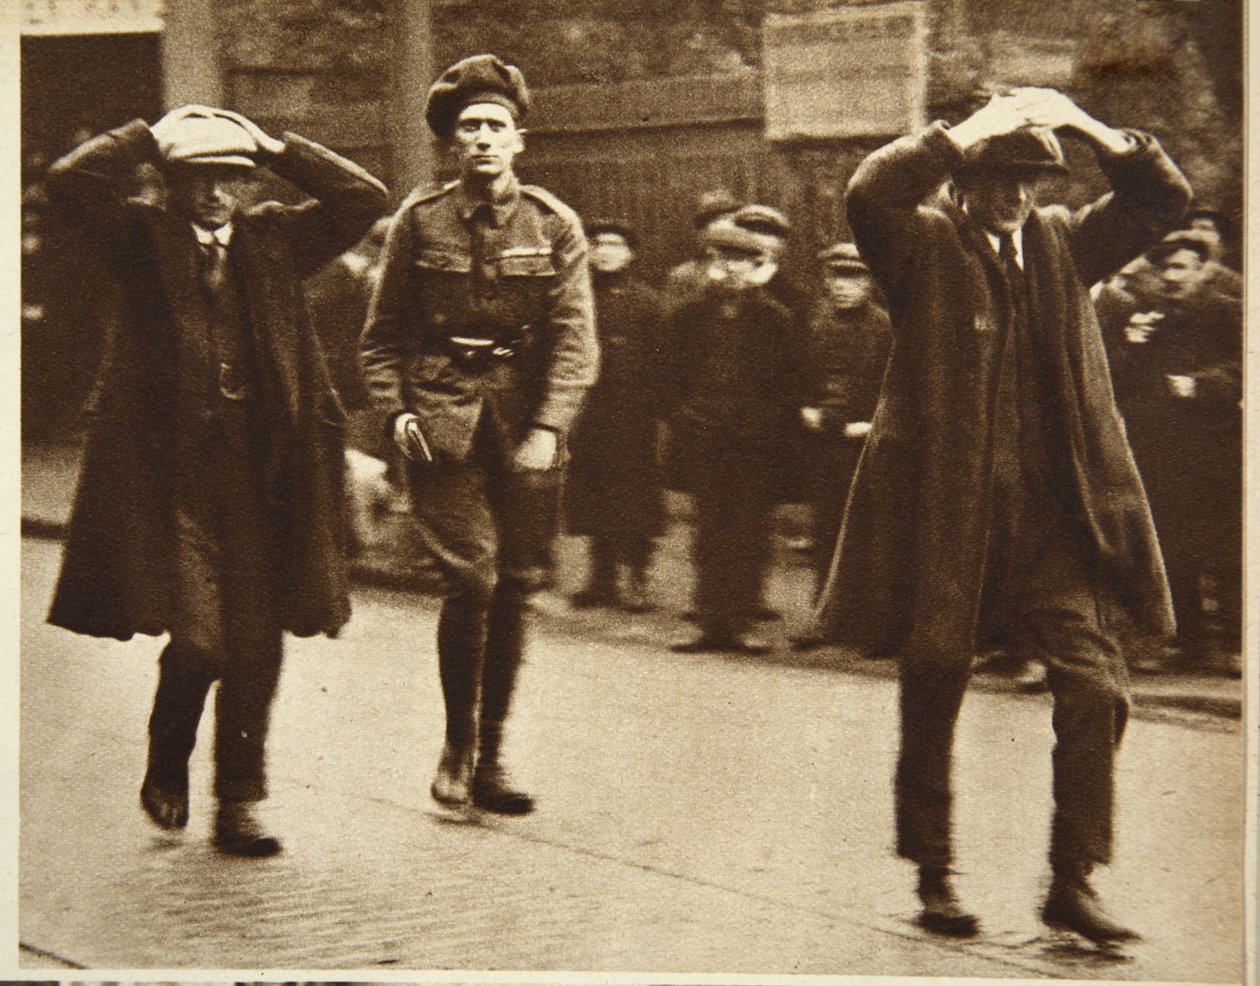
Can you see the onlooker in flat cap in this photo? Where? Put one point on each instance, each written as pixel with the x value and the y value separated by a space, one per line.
pixel 476 79
pixel 735 371
pixel 688 281
pixel 849 342
pixel 613 490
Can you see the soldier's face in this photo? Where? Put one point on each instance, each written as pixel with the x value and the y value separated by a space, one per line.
pixel 610 252
pixel 734 270
pixel 487 140
pixel 848 289
pixel 207 194
pixel 1000 201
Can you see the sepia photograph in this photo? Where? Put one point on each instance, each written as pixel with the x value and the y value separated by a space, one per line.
pixel 632 491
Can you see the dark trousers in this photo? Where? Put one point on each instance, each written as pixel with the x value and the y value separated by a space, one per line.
pixel 225 628
pixel 490 530
pixel 1043 604
pixel 734 501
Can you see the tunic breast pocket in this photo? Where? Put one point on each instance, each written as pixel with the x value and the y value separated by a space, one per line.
pixel 525 280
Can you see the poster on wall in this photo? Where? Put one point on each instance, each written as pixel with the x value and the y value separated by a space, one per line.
pixel 52 17
pixel 846 71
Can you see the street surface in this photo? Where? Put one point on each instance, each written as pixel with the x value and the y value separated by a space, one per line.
pixel 697 814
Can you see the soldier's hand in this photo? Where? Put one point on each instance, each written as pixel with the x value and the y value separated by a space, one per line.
pixel 537 452
pixel 857 429
pixel 811 418
pixel 266 143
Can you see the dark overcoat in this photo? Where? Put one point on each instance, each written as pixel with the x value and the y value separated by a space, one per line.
pixel 613 484
pixel 909 567
pixel 118 570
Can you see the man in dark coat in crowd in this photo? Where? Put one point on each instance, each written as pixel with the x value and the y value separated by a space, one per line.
pixel 849 342
pixel 479 348
pixel 736 378
pixel 1176 359
pixel 997 499
pixel 613 489
pixel 208 500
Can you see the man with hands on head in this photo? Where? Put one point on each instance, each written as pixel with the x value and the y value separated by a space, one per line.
pixel 479 346
pixel 997 500
pixel 208 500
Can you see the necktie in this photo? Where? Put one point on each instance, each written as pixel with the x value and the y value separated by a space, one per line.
pixel 1006 253
pixel 213 265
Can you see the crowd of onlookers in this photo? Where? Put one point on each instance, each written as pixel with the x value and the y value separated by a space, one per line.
pixel 735 384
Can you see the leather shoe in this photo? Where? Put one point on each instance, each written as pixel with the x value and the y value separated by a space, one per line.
pixel 237 831
pixel 166 806
pixel 1072 905
pixel 451 787
pixel 733 643
pixel 491 792
pixel 942 913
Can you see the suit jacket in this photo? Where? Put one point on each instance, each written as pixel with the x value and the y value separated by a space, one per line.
pixel 909 567
pixel 117 574
pixel 529 289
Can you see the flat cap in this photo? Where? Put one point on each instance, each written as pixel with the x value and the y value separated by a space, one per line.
pixel 1032 149
pixel 842 256
pixel 763 219
pixel 208 140
pixel 605 225
pixel 713 205
pixel 476 79
pixel 725 235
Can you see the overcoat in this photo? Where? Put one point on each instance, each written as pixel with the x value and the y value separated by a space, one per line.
pixel 908 571
pixel 613 484
pixel 118 569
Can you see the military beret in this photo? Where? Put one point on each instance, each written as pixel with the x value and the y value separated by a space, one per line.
pixel 842 256
pixel 713 205
pixel 1034 149
pixel 597 226
pixel 208 140
pixel 725 235
pixel 477 79
pixel 763 219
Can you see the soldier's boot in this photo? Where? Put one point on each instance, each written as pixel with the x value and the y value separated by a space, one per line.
pixel 491 789
pixel 461 642
pixel 942 913
pixel 505 642
pixel 238 832
pixel 184 680
pixel 1073 905
pixel 452 784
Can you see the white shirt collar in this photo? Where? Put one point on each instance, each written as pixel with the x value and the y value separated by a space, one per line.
pixel 1017 238
pixel 206 237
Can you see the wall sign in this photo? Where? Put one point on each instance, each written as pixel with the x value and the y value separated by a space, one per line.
pixel 91 16
pixel 846 71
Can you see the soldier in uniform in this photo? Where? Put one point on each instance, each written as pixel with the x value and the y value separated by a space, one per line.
pixel 479 346
pixel 208 500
